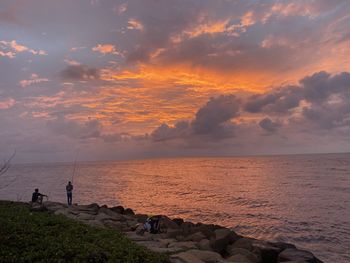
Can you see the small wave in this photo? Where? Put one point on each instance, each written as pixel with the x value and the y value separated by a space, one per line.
pixel 337 169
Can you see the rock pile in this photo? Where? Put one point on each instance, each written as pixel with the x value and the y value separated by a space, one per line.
pixel 184 241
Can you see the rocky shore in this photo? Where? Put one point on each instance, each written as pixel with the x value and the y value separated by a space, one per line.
pixel 185 242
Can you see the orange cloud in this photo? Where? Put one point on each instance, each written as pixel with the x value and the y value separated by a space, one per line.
pixel 105 49
pixel 7 103
pixel 135 24
pixel 12 48
pixel 34 79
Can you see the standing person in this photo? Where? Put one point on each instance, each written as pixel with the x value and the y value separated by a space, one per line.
pixel 37 197
pixel 69 189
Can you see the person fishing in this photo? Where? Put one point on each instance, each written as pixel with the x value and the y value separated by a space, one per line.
pixel 69 189
pixel 37 197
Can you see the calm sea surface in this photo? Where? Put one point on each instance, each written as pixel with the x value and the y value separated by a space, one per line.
pixel 302 199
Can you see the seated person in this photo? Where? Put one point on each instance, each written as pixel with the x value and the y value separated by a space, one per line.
pixel 37 197
pixel 152 224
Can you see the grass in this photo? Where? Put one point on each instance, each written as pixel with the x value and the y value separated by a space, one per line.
pixel 27 236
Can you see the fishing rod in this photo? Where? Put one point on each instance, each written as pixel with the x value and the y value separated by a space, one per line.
pixel 75 165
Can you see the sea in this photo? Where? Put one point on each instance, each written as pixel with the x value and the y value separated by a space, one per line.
pixel 300 199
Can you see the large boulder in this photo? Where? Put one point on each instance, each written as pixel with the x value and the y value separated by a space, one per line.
pixel 246 243
pixel 239 258
pixel 204 244
pixel 250 256
pixel 53 206
pixel 111 214
pixel 196 237
pixel 178 221
pixel 118 209
pixel 283 245
pixel 183 245
pixel 268 250
pixel 205 229
pixel 173 233
pixel 292 254
pixel 129 212
pixel 185 257
pixel 141 218
pixel 85 216
pixel 102 217
pixel 91 209
pixel 205 255
pixel 167 223
pixel 221 239
pixel 115 225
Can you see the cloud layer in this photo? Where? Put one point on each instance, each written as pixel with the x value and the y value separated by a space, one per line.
pixel 173 77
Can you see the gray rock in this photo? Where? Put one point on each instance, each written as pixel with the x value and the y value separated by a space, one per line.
pixel 206 255
pixel 183 245
pixel 292 254
pixel 204 244
pixel 129 212
pixel 118 209
pixel 115 225
pixel 196 237
pixel 91 209
pixel 207 230
pixel 85 216
pixel 111 213
pixel 167 223
pixel 166 241
pixel 167 250
pixel 180 238
pixel 173 233
pixel 239 258
pixel 135 237
pixel 246 243
pixel 185 257
pixel 283 245
pixel 221 239
pixel 246 253
pixel 151 244
pixel 178 221
pixel 116 217
pixel 53 206
pixel 141 218
pixel 267 250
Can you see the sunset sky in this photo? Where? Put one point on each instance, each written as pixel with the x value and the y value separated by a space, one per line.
pixel 111 79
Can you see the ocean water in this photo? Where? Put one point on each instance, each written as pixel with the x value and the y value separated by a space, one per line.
pixel 301 199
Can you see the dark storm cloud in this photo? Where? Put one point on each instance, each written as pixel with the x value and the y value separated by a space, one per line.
pixel 316 88
pixel 211 118
pixel 164 132
pixel 279 101
pixel 211 121
pixel 80 72
pixel 322 85
pixel 328 107
pixel 268 125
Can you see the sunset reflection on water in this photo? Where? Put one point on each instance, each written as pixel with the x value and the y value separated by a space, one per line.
pixel 282 198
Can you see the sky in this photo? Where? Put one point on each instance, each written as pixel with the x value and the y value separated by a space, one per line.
pixel 130 79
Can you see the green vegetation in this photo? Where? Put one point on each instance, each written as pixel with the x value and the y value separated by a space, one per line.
pixel 27 236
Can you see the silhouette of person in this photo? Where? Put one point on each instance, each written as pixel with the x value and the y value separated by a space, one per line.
pixel 37 197
pixel 69 189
